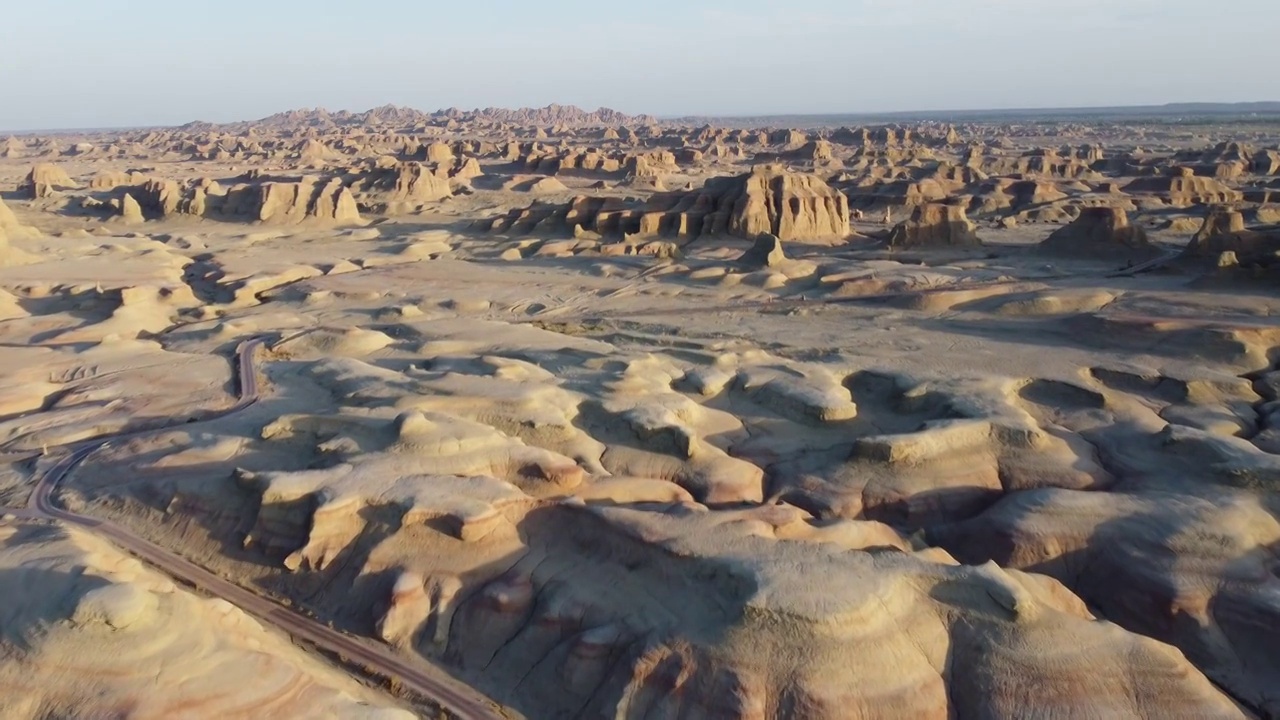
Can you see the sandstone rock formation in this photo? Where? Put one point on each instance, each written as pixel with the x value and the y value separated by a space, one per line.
pixel 1101 232
pixel 45 180
pixel 789 205
pixel 130 210
pixel 769 200
pixel 935 225
pixel 1221 220
pixel 1183 188
pixel 287 203
pixel 403 187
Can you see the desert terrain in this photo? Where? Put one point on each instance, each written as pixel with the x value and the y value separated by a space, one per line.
pixel 548 413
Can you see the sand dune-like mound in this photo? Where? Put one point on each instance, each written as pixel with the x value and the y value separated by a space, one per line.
pixel 95 634
pixel 321 342
pixel 1174 556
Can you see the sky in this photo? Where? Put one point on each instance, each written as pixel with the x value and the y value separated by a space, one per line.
pixel 95 64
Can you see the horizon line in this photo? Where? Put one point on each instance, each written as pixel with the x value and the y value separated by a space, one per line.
pixel 899 114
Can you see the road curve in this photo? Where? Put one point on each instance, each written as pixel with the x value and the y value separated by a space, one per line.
pixel 377 658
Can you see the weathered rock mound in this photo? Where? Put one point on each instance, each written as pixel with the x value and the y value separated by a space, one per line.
pixel 406 186
pixel 1100 231
pixel 935 225
pixel 767 201
pixel 44 181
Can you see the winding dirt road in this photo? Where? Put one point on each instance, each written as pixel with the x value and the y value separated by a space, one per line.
pixel 459 701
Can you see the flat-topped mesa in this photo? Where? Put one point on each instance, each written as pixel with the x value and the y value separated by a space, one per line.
pixel 935 225
pixel 1100 231
pixel 767 201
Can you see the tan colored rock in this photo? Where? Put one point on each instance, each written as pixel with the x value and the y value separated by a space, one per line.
pixel 1100 231
pixel 773 200
pixel 1221 220
pixel 45 180
pixel 130 210
pixel 1183 188
pixel 766 252
pixel 935 225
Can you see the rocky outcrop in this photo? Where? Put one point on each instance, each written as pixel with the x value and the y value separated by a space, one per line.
pixel 10 228
pixel 1100 232
pixel 935 225
pixel 790 205
pixel 1183 188
pixel 766 252
pixel 769 200
pixel 1126 554
pixel 405 187
pixel 130 210
pixel 289 203
pixel 109 179
pixel 1222 220
pixel 45 180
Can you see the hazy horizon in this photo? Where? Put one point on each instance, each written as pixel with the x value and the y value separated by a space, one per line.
pixel 77 64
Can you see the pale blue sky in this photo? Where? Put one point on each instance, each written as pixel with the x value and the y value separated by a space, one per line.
pixel 95 63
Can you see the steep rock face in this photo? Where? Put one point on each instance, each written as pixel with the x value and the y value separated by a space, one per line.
pixel 11 228
pixel 44 181
pixel 789 205
pixel 1100 231
pixel 406 186
pixel 288 203
pixel 933 225
pixel 130 210
pixel 1267 162
pixel 9 225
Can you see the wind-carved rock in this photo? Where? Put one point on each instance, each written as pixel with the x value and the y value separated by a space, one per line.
pixel 769 200
pixel 1100 231
pixel 933 225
